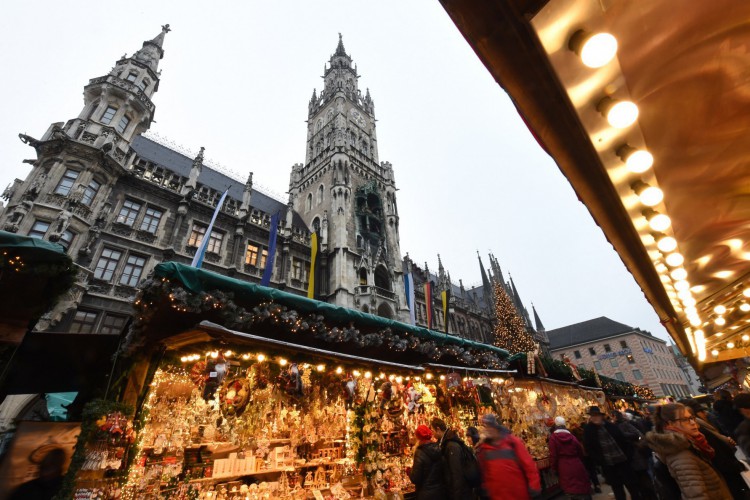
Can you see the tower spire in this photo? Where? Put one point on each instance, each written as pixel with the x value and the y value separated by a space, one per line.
pixel 152 51
pixel 537 320
pixel 340 51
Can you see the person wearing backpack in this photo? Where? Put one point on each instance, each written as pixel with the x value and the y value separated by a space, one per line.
pixel 427 472
pixel 458 459
pixel 508 469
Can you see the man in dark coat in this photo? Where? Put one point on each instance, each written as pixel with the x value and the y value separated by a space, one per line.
pixel 742 433
pixel 604 443
pixel 451 446
pixel 728 416
pixel 427 472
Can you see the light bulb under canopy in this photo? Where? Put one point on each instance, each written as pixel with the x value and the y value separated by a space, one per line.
pixel 674 259
pixel 720 309
pixel 678 274
pixel 619 114
pixel 636 160
pixel 665 243
pixel 595 49
pixel 730 345
pixel 648 195
pixel 744 307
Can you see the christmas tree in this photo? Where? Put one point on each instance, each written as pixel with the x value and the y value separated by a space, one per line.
pixel 510 331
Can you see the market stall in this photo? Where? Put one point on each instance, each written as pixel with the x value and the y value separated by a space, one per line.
pixel 241 391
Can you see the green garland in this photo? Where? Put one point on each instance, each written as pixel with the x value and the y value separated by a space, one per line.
pixel 221 307
pixel 92 411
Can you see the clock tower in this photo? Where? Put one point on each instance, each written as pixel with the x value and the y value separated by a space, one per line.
pixel 346 194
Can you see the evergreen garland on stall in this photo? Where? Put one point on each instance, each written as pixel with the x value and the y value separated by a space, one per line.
pixel 510 330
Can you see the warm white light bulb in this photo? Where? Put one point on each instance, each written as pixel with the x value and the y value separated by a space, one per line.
pixel 651 196
pixel 639 161
pixel 695 321
pixel 720 309
pixel 682 285
pixel 730 345
pixel 690 301
pixel 678 274
pixel 684 294
pixel 622 114
pixel 283 362
pixel 674 259
pixel 745 337
pixel 261 357
pixel 715 352
pixel 720 320
pixel 321 368
pixel 744 307
pixel 746 292
pixel 598 50
pixel 659 222
pixel 691 310
pixel 339 370
pixel 666 244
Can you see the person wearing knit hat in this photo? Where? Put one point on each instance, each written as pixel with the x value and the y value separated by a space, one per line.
pixel 508 469
pixel 566 459
pixel 427 472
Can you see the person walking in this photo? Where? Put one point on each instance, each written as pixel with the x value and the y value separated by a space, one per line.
pixel 729 418
pixel 427 472
pixel 678 444
pixel 742 432
pixel 566 459
pixel 638 454
pixel 604 443
pixel 724 460
pixel 452 448
pixel 508 469
pixel 588 462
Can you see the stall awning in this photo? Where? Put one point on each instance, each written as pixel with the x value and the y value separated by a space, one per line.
pixel 179 297
pixel 33 274
pixel 685 69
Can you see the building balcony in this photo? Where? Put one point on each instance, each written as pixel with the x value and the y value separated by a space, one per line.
pixel 374 290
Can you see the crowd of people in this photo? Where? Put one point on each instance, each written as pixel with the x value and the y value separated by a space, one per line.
pixel 676 450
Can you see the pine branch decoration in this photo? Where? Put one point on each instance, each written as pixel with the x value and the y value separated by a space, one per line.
pixel 510 331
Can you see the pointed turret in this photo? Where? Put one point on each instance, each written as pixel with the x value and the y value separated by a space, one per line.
pixel 247 193
pixel 152 51
pixel 537 321
pixel 519 305
pixel 195 172
pixel 340 51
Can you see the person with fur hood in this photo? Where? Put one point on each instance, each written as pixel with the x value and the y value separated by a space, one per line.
pixel 680 446
pixel 566 459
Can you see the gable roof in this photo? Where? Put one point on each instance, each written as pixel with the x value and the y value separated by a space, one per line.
pixel 588 331
pixel 180 164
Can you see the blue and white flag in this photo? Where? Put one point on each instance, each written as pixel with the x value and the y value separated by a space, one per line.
pixel 201 252
pixel 268 271
pixel 409 286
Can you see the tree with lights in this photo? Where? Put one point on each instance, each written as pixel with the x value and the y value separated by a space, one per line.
pixel 510 330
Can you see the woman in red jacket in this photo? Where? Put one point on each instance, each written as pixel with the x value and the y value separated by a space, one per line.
pixel 508 470
pixel 566 459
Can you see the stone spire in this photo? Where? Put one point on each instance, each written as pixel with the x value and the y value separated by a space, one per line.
pixel 152 50
pixel 537 320
pixel 340 48
pixel 247 193
pixel 519 305
pixel 195 172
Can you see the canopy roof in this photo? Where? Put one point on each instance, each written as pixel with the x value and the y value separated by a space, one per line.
pixel 179 297
pixel 686 68
pixel 33 274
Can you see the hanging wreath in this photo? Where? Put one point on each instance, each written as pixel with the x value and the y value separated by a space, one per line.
pixel 234 396
pixel 545 403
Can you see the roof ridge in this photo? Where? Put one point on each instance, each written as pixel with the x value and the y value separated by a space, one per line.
pixel 212 164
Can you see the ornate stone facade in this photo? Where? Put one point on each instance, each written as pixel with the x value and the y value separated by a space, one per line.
pixel 121 202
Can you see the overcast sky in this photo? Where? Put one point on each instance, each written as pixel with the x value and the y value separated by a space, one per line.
pixel 237 78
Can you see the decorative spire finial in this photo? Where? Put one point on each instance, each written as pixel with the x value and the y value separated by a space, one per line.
pixel 165 28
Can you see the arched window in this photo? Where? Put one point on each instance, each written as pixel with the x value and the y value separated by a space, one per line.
pixel 320 194
pixel 382 279
pixel 308 203
pixel 384 311
pixel 318 125
pixel 316 225
pixel 362 276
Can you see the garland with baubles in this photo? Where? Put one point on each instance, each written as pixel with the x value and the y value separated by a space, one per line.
pixel 237 317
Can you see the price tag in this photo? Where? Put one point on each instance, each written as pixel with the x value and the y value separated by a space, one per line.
pixel 318 495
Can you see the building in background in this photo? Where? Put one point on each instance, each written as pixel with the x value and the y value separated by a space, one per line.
pixel 691 377
pixel 621 352
pixel 120 202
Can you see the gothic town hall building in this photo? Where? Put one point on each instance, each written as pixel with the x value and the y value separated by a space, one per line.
pixel 121 202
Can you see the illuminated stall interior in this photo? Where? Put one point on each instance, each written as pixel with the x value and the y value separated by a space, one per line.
pixel 645 107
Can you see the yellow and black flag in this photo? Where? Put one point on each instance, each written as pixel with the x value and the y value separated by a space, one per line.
pixel 446 296
pixel 312 286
